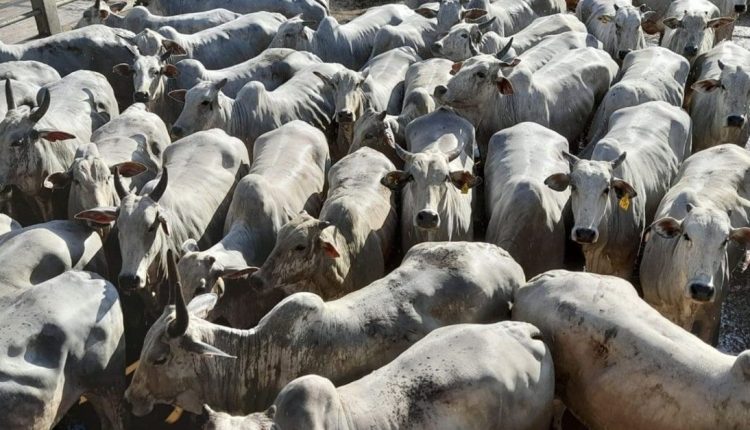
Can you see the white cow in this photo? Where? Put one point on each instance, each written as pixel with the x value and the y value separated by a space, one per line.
pixel 437 284
pixel 348 246
pixel 436 184
pixel 615 194
pixel 693 247
pixel 561 95
pixel 617 23
pixel 512 16
pixel 647 75
pixel 288 175
pixel 433 386
pixel 690 27
pixel 620 365
pixel 719 103
pixel 524 215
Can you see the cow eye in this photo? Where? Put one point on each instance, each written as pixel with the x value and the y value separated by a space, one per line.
pixel 723 244
pixel 606 191
pixel 299 248
pixel 369 136
pixel 161 360
pixel 481 75
pixel 16 143
pixel 573 187
pixel 465 36
pixel 205 102
pixel 686 237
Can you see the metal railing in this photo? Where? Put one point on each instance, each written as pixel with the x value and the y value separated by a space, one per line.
pixel 44 13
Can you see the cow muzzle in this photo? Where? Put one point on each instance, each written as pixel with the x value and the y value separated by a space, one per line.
pixel 344 116
pixel 436 48
pixel 427 219
pixel 141 97
pixel 691 51
pixel 440 91
pixel 622 54
pixel 735 120
pixel 129 283
pixel 701 292
pixel 585 235
pixel 256 281
pixel 139 405
pixel 740 8
pixel 177 132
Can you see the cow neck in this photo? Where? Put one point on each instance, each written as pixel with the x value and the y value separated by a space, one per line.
pixel 232 384
pixel 227 115
pixel 114 20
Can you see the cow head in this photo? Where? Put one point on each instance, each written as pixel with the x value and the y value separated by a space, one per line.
pixel 373 130
pixel 627 29
pixel 472 88
pixel 305 246
pixel 212 420
pixel 168 368
pixel 23 162
pixel 595 191
pixel 99 13
pixel 450 13
pixel 462 41
pixel 203 274
pixel 732 93
pixel 149 73
pixel 349 94
pixel 201 110
pixel 91 180
pixel 294 33
pixel 690 38
pixel 143 227
pixel 429 180
pixel 700 249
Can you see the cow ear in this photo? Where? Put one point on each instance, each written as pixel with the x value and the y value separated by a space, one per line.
pixel 55 135
pixel 706 85
pixel 456 67
pixel 473 14
pixel 190 245
pixel 513 63
pixel 195 346
pixel 504 86
pixel 326 80
pixel 123 69
pixel 647 23
pixel 270 412
pixel 720 22
pixel 558 181
pixel 672 23
pixel 606 19
pixel 426 12
pixel 238 272
pixel 623 189
pixel 170 71
pixel 178 95
pixel 396 179
pixel 667 227
pixel 202 304
pixel 128 169
pixel 57 180
pixel 329 249
pixel 103 215
pixel 740 235
pixel 464 180
pixel 173 47
pixel 118 7
pixel 741 365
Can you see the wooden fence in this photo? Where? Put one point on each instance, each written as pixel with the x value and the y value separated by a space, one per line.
pixel 45 14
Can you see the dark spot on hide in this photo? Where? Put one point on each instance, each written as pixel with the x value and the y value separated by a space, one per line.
pixel 610 333
pixel 46 348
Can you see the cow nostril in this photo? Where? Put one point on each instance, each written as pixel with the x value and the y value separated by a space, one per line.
pixel 440 90
pixel 739 8
pixel 129 282
pixel 735 121
pixel 701 292
pixel 691 50
pixel 585 235
pixel 622 54
pixel 436 48
pixel 141 97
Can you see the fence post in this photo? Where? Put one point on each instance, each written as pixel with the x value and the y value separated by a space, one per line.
pixel 47 21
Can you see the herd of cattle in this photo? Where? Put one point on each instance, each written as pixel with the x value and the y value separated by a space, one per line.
pixel 471 214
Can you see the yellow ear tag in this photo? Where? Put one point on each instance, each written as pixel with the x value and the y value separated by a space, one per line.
pixel 625 202
pixel 465 188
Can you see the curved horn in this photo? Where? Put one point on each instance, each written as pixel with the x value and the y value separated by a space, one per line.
pixel 505 50
pixel 43 106
pixel 179 325
pixel 403 154
pixel 9 100
pixel 119 188
pixel 165 56
pixel 455 153
pixel 97 4
pixel 158 190
pixel 473 49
